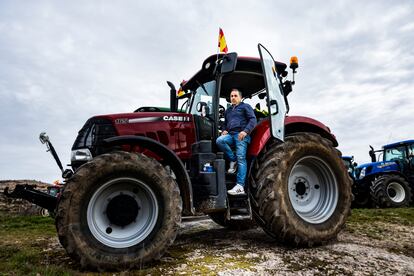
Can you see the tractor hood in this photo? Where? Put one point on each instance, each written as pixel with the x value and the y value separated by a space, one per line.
pixel 367 169
pixel 172 129
pixel 147 117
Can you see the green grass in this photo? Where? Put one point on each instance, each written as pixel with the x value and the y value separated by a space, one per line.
pixel 384 225
pixel 19 224
pixel 402 216
pixel 23 246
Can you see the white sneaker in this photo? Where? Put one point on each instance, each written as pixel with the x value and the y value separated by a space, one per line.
pixel 237 190
pixel 233 167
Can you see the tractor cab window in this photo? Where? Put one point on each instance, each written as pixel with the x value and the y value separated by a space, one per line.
pixel 411 151
pixel 202 109
pixel 257 101
pixel 202 102
pixel 394 154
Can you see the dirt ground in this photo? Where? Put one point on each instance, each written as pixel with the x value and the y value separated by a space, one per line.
pixel 377 247
pixel 203 247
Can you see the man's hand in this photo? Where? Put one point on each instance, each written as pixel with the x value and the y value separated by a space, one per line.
pixel 241 136
pixel 224 132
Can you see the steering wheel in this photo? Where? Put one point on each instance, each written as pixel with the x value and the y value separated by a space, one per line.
pixel 221 111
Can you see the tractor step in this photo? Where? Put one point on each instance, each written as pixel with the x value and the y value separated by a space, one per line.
pixel 239 207
pixel 240 217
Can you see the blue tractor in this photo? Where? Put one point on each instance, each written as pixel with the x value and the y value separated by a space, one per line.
pixel 350 165
pixel 386 183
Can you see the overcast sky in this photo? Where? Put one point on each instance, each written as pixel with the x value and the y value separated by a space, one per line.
pixel 62 62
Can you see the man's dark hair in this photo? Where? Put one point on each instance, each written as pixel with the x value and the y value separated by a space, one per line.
pixel 240 93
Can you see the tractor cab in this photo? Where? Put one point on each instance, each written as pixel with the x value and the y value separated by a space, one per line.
pixel 350 165
pixel 398 156
pixel 403 154
pixel 206 94
pixel 205 97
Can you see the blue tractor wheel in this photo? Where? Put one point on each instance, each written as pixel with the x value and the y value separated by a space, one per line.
pixel 391 191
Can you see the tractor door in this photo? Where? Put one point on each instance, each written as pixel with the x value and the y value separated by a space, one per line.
pixel 410 170
pixel 275 98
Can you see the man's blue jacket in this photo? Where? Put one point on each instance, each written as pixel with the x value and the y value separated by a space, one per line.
pixel 239 118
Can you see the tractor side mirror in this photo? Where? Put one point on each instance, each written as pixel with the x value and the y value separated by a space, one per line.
pixel 43 138
pixel 228 63
pixel 200 106
pixel 262 95
pixel 355 164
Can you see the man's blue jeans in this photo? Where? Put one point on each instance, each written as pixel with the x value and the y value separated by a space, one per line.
pixel 225 142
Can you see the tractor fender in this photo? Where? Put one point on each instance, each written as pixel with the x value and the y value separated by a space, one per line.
pixel 261 133
pixel 169 158
pixel 373 176
pixel 367 180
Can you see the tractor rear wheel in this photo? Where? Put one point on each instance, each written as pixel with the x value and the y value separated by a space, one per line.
pixel 301 191
pixel 391 191
pixel 118 211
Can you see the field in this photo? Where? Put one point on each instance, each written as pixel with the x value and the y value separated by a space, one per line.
pixel 375 241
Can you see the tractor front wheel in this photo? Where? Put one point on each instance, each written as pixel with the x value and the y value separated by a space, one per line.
pixel 391 191
pixel 118 211
pixel 301 191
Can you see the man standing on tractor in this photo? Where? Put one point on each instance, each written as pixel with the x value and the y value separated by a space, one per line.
pixel 239 122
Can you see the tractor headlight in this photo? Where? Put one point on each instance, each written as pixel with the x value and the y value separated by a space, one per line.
pixel 362 174
pixel 81 155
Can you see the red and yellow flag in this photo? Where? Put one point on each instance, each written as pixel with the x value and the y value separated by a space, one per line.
pixel 222 42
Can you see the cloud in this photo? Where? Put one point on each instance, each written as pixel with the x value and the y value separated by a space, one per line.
pixel 65 62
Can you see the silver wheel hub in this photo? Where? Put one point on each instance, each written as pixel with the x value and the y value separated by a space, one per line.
pixel 313 190
pixel 396 192
pixel 122 212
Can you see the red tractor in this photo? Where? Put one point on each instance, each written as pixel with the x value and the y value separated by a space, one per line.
pixel 136 174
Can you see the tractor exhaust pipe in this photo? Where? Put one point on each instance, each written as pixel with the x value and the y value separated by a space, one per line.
pixel 372 154
pixel 173 97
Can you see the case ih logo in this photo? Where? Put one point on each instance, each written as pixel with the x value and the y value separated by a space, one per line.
pixel 176 118
pixel 121 121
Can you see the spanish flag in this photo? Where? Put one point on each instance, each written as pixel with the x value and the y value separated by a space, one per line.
pixel 222 42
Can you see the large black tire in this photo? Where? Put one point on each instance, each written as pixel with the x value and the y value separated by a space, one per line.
pixel 301 191
pixel 362 197
pixel 220 219
pixel 391 191
pixel 118 211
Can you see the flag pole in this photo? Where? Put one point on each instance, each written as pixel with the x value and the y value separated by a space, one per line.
pixel 218 46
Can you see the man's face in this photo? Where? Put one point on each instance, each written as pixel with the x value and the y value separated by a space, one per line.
pixel 235 97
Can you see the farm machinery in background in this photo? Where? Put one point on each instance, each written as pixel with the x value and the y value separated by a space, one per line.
pixel 389 182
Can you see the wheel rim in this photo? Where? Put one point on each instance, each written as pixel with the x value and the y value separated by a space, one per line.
pixel 313 190
pixel 122 212
pixel 396 192
pixel 44 212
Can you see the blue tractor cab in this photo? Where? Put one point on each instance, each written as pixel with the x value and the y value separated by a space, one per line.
pixel 386 183
pixel 350 165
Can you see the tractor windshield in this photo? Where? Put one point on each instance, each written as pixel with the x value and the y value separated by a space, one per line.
pixel 411 150
pixel 393 154
pixel 202 100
